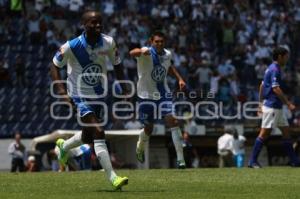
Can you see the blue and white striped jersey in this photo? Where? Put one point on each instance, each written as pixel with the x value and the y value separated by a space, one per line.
pixel 87 65
pixel 152 73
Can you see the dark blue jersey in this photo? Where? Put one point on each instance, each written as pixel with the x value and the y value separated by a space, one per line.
pixel 272 78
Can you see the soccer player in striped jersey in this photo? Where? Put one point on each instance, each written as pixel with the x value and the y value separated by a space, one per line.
pixel 85 57
pixel 153 65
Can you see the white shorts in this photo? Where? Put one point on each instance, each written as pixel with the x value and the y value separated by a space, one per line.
pixel 272 118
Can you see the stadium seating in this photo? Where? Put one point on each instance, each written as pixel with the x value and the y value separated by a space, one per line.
pixel 27 108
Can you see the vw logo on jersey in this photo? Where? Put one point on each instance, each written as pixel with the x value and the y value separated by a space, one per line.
pixel 158 73
pixel 91 74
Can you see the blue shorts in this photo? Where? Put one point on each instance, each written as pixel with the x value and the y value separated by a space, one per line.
pixel 153 110
pixel 86 106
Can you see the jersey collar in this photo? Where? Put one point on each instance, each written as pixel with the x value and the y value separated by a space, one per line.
pixel 85 44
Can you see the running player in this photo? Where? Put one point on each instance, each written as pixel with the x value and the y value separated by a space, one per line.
pixel 85 57
pixel 153 65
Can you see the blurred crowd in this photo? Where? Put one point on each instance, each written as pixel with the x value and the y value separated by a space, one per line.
pixel 219 46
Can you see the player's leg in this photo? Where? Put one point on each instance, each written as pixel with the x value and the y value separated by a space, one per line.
pixel 287 142
pixel 65 145
pixel 269 120
pixel 143 139
pixel 146 117
pixel 176 133
pixel 259 143
pixel 100 148
pixel 288 146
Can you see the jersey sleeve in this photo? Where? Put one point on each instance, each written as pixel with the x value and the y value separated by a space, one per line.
pixel 142 56
pixel 61 56
pixel 275 77
pixel 113 54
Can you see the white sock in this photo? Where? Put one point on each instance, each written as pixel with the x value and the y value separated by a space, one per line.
pixel 177 140
pixel 73 142
pixel 103 156
pixel 143 138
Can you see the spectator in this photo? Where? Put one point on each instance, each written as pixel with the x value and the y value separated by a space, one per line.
pixel 17 150
pixel 17 8
pixel 40 5
pixel 63 3
pixel 75 5
pixel 34 28
pixel 133 124
pixel 225 148
pixel 31 165
pixel 214 82
pixel 238 149
pixel 204 73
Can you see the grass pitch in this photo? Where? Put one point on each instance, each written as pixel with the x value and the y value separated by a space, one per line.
pixel 280 182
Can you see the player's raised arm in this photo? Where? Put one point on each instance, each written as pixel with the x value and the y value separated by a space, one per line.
pixel 137 52
pixel 173 72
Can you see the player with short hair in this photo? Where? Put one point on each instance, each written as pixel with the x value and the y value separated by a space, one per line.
pixel 271 99
pixel 153 65
pixel 85 57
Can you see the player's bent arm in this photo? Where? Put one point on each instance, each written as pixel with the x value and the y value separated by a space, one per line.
pixel 137 52
pixel 173 72
pixel 55 75
pixel 260 97
pixel 277 90
pixel 61 90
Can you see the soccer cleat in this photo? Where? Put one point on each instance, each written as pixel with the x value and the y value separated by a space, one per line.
pixel 255 165
pixel 181 164
pixel 119 182
pixel 140 155
pixel 62 155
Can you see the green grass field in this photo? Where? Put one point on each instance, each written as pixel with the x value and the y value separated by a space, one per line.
pixel 191 183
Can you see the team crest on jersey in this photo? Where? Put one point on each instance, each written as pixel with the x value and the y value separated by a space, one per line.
pixel 158 73
pixel 91 74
